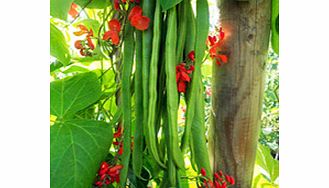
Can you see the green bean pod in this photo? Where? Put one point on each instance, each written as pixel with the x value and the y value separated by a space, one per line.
pixel 199 151
pixel 150 132
pixel 148 10
pixel 190 28
pixel 200 47
pixel 182 19
pixel 137 153
pixel 172 94
pixel 127 64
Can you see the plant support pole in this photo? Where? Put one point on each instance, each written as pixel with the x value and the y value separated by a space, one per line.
pixel 238 88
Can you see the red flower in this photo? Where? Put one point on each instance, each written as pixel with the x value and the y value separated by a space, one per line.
pixel 191 56
pixel 212 40
pixel 113 35
pixel 116 4
pixel 114 25
pixel 78 44
pixel 73 12
pixel 137 20
pixel 230 179
pixel 140 22
pixel 182 76
pixel 203 172
pixel 83 30
pixel 118 133
pixel 215 48
pixel 136 11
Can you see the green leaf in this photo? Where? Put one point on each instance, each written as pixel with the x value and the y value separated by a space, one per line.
pixel 90 24
pixel 69 95
pixel 75 69
pixel 275 26
pixel 60 8
pixel 167 4
pixel 97 4
pixel 265 160
pixel 77 148
pixel 58 46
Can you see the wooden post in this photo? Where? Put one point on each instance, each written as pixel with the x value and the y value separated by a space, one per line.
pixel 238 88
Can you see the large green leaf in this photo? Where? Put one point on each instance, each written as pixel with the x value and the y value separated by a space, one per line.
pixel 167 4
pixel 60 8
pixel 275 26
pixel 58 46
pixel 265 160
pixel 70 95
pixel 97 4
pixel 77 149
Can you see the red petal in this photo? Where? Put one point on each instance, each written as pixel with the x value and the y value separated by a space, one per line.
pixel 140 22
pixel 73 12
pixel 223 58
pixel 116 4
pixel 136 11
pixel 90 43
pixel 113 35
pixel 181 86
pixel 221 33
pixel 114 25
pixel 78 44
pixel 185 77
pixel 90 33
pixel 203 172
pixel 178 76
pixel 191 55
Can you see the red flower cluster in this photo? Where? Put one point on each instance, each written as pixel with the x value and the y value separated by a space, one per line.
pixel 116 3
pixel 108 174
pixel 113 33
pixel 73 11
pixel 183 72
pixel 82 45
pixel 137 19
pixel 182 76
pixel 215 47
pixel 220 180
pixel 117 135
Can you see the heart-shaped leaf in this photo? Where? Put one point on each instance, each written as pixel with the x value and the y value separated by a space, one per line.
pixel 58 46
pixel 70 95
pixel 77 148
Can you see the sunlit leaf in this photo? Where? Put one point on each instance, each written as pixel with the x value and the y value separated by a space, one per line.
pixel 58 46
pixel 60 8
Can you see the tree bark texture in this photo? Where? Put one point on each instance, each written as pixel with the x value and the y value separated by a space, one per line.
pixel 238 88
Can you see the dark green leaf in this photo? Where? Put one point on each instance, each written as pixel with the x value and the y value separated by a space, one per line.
pixel 167 4
pixel 77 149
pixel 97 4
pixel 275 26
pixel 58 46
pixel 60 8
pixel 70 95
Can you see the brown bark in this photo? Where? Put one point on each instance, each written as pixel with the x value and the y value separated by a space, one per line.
pixel 238 88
